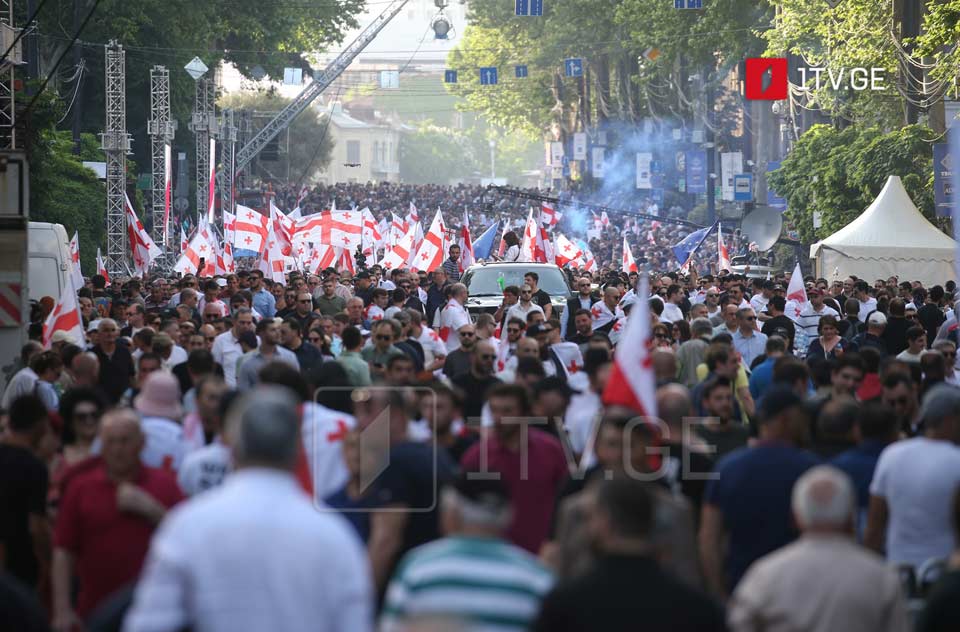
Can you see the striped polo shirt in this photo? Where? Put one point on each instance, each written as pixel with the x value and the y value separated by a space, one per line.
pixel 476 584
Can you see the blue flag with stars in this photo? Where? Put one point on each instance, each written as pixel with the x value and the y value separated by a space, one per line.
pixel 690 244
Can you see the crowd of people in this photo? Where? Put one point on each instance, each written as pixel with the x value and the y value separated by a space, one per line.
pixel 350 452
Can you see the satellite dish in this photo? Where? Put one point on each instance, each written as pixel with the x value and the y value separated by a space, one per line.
pixel 762 226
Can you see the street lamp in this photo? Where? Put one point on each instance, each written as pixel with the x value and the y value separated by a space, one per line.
pixel 493 170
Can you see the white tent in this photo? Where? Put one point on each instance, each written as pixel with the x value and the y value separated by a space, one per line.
pixel 890 238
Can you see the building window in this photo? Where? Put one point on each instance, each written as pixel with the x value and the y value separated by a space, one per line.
pixel 353 152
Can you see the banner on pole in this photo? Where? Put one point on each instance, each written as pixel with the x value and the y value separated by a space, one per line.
pixel 644 178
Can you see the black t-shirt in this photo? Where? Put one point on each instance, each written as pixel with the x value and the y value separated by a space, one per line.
pixel 930 317
pixel 115 372
pixel 783 327
pixel 541 298
pixel 942 613
pixel 474 393
pixel 23 491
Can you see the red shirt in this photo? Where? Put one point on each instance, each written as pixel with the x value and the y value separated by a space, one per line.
pixel 109 546
pixel 532 497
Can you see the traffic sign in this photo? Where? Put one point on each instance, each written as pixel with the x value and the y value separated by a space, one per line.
pixel 196 68
pixel 687 4
pixel 533 8
pixel 743 187
pixel 488 76
pixel 573 67
pixel 521 72
pixel 449 76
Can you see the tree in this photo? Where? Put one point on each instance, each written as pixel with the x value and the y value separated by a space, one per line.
pixel 311 144
pixel 436 155
pixel 838 173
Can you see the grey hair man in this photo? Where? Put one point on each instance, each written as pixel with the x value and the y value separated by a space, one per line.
pixel 846 587
pixel 436 581
pixel 308 552
pixel 691 353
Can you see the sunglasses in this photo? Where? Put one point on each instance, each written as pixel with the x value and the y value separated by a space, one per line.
pixel 305 301
pixel 748 318
pixel 712 295
pixel 466 334
pixel 661 336
pixel 382 337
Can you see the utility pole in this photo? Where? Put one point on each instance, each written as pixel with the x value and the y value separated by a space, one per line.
pixel 162 131
pixel 77 113
pixel 115 143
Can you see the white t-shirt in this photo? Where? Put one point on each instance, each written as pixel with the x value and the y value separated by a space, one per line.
pixel 918 479
pixel 866 308
pixel 580 419
pixel 373 313
pixel 452 318
pixel 323 431
pixel 521 312
pixel 671 313
pixel 163 446
pixel 205 468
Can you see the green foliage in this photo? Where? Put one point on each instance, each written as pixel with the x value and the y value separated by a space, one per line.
pixel 171 32
pixel 941 32
pixel 435 155
pixel 839 173
pixel 310 143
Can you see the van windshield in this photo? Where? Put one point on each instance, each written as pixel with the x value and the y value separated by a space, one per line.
pixel 44 275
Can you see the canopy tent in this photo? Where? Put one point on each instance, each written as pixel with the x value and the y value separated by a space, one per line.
pixel 890 238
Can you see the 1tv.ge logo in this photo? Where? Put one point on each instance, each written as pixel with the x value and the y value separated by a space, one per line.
pixel 766 78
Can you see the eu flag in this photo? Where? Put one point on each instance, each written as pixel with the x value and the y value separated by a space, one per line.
pixel 690 244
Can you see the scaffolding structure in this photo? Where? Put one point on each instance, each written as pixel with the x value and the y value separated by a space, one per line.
pixel 226 177
pixel 8 113
pixel 204 127
pixel 162 131
pixel 115 143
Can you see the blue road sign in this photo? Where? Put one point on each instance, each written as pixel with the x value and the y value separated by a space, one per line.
pixel 488 76
pixel 687 4
pixel 450 76
pixel 523 7
pixel 521 72
pixel 529 7
pixel 743 187
pixel 774 199
pixel 573 67
pixel 536 7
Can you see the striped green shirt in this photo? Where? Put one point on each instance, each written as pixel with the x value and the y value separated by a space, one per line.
pixel 475 584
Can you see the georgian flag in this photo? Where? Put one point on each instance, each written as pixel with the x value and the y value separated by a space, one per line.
pixel 503 245
pixel 250 230
pixel 272 262
pixel 589 261
pixel 184 242
pixel 295 214
pixel 413 216
pixel 370 236
pixel 345 259
pixel 102 267
pixel 75 271
pixel 722 253
pixel 632 382
pixel 796 293
pixel 431 252
pixel 549 215
pixel 467 257
pixel 335 228
pixel 601 314
pixel 65 315
pixel 604 220
pixel 322 257
pixel 452 318
pixel 400 252
pixel 568 252
pixel 198 248
pixel 304 192
pixel 531 248
pixel 142 248
pixel 283 229
pixel 569 354
pixel 629 264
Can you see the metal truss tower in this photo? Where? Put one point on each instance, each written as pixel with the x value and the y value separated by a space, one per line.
pixel 227 174
pixel 162 131
pixel 8 114
pixel 204 127
pixel 115 143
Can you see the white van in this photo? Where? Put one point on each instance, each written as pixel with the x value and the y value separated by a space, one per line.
pixel 48 250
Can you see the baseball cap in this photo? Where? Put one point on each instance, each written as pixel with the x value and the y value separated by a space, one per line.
pixel 877 318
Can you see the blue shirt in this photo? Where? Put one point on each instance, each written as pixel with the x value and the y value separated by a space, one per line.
pixel 761 378
pixel 264 303
pixel 752 491
pixel 749 347
pixel 859 463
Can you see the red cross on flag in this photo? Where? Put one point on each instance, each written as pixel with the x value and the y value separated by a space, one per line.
pixel 796 292
pixel 142 248
pixel 532 247
pixel 549 215
pixel 431 252
pixel 304 192
pixel 335 228
pixel 250 229
pixel 184 242
pixel 724 255
pixel 75 271
pixel 345 260
pixel 467 257
pixel 102 267
pixel 283 228
pixel 198 248
pixel 400 252
pixel 604 220
pixel 567 252
pixel 229 227
pixel 413 215
pixel 321 257
pixel 271 259
pixel 417 241
pixel 589 261
pixel 629 263
pixel 65 316
pixel 632 382
pixel 370 236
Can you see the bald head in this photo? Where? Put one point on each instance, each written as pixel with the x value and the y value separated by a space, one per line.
pixel 121 440
pixel 673 404
pixel 528 347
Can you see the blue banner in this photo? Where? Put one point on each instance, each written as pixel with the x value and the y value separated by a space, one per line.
pixel 483 245
pixel 696 170
pixel 690 244
pixel 943 168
